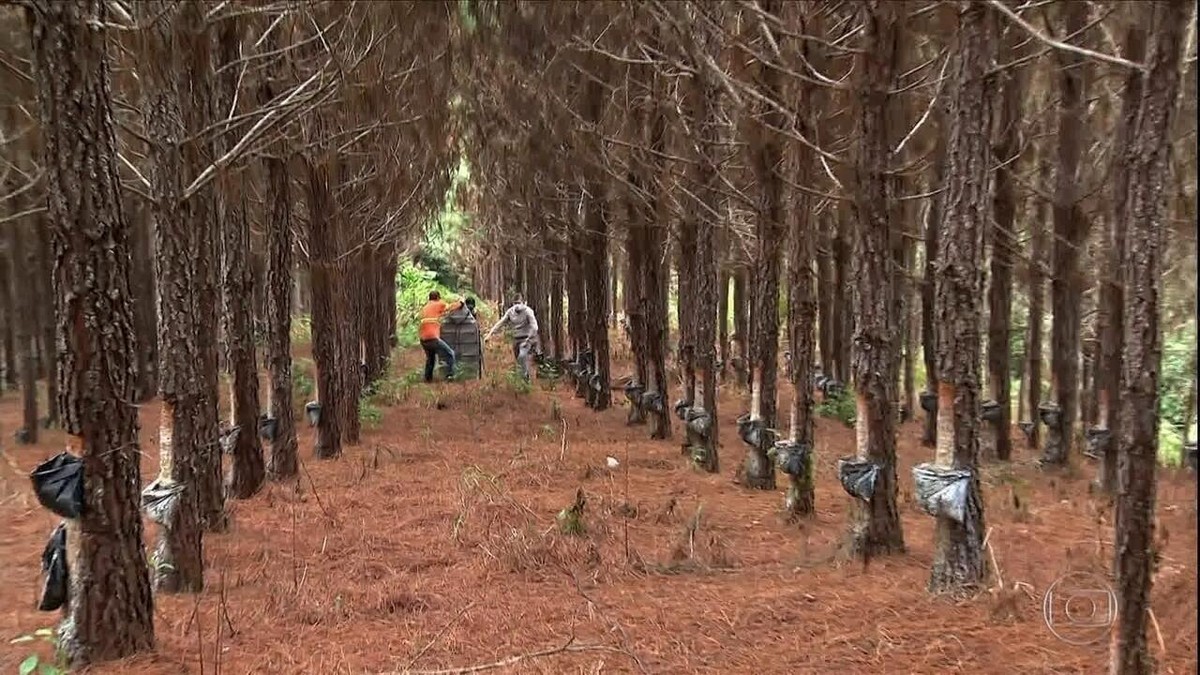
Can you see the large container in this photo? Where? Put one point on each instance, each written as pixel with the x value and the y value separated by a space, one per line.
pixel 460 331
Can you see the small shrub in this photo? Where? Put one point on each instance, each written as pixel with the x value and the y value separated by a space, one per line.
pixel 369 414
pixel 570 519
pixel 518 384
pixel 393 390
pixel 841 407
pixel 302 381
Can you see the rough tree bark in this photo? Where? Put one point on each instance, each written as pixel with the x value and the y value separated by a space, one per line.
pixel 596 270
pixel 322 254
pixel 848 321
pixel 188 429
pixel 1142 278
pixel 912 339
pixel 933 226
pixel 706 104
pixel 248 470
pixel 758 472
pixel 1070 233
pixel 802 282
pixel 1110 319
pixel 725 352
pixel 959 564
pixel 110 612
pixel 23 296
pixel 1037 303
pixel 825 294
pixel 656 275
pixel 284 460
pixel 141 277
pixel 875 524
pixel 7 318
pixel 44 265
pixel 1004 244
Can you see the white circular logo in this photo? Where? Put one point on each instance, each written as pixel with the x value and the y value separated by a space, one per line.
pixel 1080 608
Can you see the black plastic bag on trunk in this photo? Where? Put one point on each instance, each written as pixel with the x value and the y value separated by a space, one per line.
pixel 858 477
pixel 54 566
pixel 792 457
pixel 58 484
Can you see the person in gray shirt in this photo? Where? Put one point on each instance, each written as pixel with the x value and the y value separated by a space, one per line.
pixel 521 320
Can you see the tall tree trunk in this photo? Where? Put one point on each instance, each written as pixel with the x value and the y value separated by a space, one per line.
pixel 8 317
pixel 145 294
pixel 322 254
pixel 1070 232
pixel 723 323
pixel 556 310
pixel 1037 303
pixel 656 275
pixel 277 199
pixel 1110 318
pixel 110 614
pixel 596 271
pixel 188 420
pixel 638 257
pixel 248 469
pixel 25 336
pixel 391 268
pixel 44 265
pixel 826 292
pixel 706 103
pixel 875 524
pixel 843 320
pixel 758 472
pixel 959 564
pixel 933 226
pixel 800 500
pixel 194 83
pixel 1144 213
pixel 912 340
pixel 1004 244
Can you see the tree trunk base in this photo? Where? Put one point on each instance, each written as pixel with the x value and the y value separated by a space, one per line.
pixel 758 473
pixel 959 565
pixel 800 501
pixel 874 534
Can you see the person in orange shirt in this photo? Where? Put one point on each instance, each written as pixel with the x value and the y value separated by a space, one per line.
pixel 431 334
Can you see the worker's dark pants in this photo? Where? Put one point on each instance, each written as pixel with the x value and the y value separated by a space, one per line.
pixel 523 351
pixel 433 349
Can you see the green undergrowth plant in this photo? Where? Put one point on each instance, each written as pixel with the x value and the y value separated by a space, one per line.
pixel 303 385
pixel 394 389
pixel 34 663
pixel 570 518
pixel 517 384
pixel 370 414
pixel 841 408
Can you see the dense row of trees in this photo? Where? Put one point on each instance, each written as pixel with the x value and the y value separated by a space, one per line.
pixel 878 181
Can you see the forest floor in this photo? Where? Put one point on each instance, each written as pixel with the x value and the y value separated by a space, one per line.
pixel 433 545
